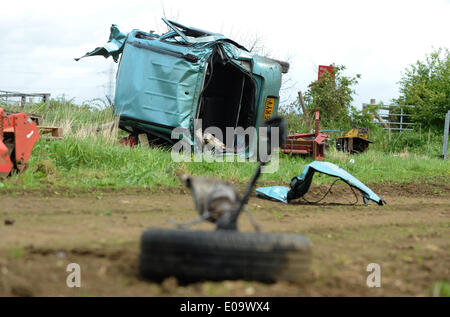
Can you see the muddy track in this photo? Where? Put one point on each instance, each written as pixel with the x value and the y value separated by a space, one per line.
pixel 409 237
pixel 420 189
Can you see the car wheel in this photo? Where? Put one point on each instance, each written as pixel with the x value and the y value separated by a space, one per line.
pixel 193 256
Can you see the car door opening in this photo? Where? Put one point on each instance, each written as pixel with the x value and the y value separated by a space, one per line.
pixel 228 98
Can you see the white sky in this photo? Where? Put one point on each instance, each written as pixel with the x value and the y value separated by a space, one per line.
pixel 377 39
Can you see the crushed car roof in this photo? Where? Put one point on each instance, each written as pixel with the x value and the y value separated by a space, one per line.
pixel 190 38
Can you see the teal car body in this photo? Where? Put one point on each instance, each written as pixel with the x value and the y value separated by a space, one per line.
pixel 167 81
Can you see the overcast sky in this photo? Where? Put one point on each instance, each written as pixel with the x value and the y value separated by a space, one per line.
pixel 377 39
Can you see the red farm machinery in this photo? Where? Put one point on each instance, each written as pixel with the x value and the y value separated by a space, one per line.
pixel 18 133
pixel 308 144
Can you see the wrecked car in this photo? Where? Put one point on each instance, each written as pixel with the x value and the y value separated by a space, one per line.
pixel 167 81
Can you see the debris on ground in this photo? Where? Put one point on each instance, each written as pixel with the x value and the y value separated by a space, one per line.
pixel 46 167
pixel 208 138
pixel 300 185
pixel 52 133
pixel 9 222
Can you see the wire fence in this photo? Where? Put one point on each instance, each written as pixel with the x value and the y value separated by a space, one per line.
pixel 393 117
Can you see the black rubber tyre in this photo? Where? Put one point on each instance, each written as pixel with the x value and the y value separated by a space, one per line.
pixel 193 256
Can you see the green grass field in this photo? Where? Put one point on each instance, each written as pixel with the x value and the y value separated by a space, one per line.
pixel 84 159
pixel 97 162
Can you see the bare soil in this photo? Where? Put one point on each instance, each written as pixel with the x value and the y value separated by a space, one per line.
pixel 43 231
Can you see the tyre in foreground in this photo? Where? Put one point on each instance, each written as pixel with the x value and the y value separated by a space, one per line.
pixel 193 256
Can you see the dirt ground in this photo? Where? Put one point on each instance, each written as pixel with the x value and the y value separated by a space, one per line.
pixel 409 238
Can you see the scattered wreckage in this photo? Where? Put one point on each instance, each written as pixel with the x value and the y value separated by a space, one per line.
pixel 354 141
pixel 223 254
pixel 168 81
pixel 308 144
pixel 300 185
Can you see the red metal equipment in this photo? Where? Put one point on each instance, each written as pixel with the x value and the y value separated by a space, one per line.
pixel 310 144
pixel 130 141
pixel 18 133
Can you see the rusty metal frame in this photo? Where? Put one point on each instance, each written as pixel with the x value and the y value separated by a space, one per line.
pixel 309 144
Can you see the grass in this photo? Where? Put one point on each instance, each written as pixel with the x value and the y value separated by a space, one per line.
pixel 16 252
pixel 84 159
pixel 79 121
pixel 441 289
pixel 98 162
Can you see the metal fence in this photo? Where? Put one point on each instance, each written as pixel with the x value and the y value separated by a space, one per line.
pixel 393 117
pixel 12 97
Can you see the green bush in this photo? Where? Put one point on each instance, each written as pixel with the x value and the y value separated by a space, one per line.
pixel 426 85
pixel 332 95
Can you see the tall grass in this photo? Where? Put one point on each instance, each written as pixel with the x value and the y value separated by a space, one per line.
pixel 75 120
pixel 427 142
pixel 86 159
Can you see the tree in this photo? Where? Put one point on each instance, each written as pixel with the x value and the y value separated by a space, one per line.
pixel 426 86
pixel 332 95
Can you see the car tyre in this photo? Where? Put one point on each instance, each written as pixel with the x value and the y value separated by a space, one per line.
pixel 193 256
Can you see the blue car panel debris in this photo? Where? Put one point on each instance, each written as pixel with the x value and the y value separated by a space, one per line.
pixel 300 184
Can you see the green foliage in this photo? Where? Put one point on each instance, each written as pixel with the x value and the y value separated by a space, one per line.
pixel 363 117
pixel 426 85
pixel 294 118
pixel 332 95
